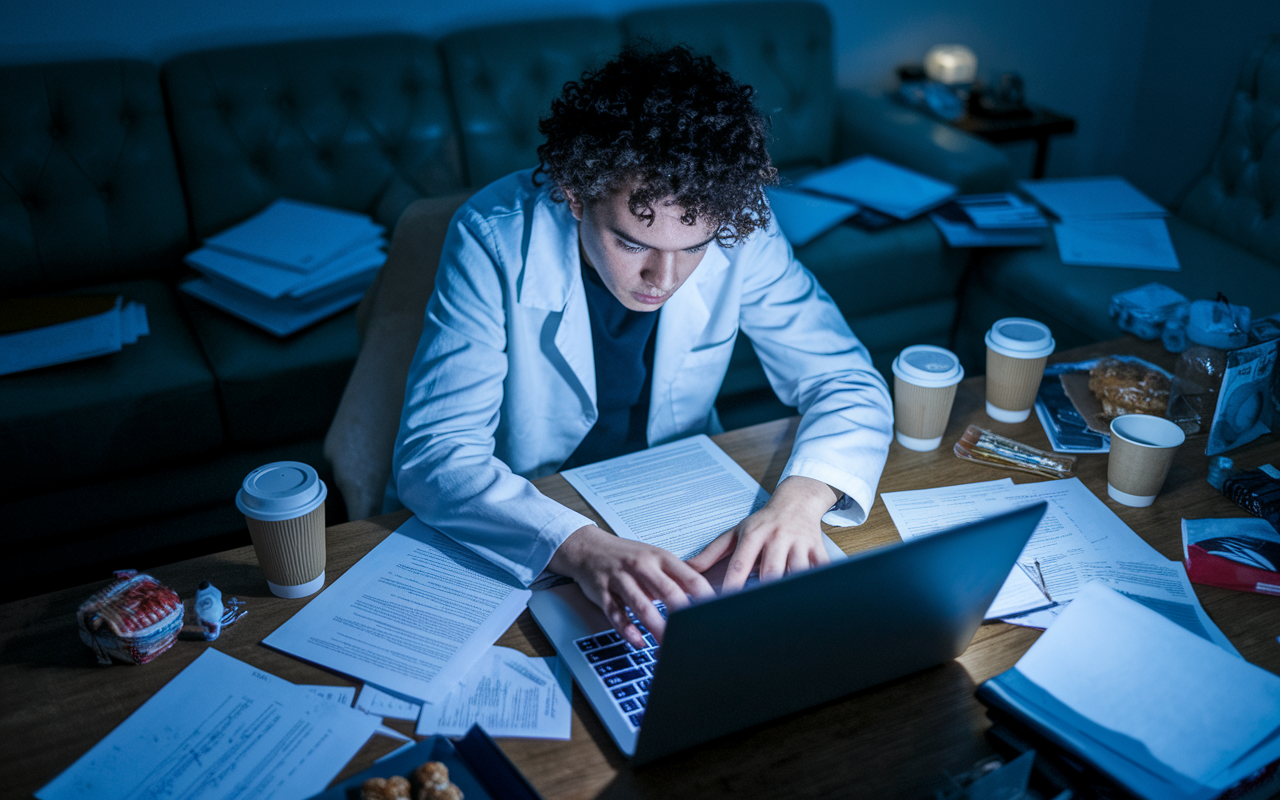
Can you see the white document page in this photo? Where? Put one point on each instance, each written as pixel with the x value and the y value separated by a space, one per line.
pixel 273 282
pixel 334 694
pixel 877 183
pixel 925 511
pixel 804 217
pixel 1092 197
pixel 677 496
pixel 272 316
pixel 373 700
pixel 296 235
pixel 1158 690
pixel 221 728
pixel 1138 242
pixel 411 616
pixel 508 694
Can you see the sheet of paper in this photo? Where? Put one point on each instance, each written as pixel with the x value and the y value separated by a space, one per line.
pixel 412 616
pixel 221 728
pixel 1075 198
pixel 299 236
pixel 926 511
pixel 804 217
pixel 887 187
pixel 1152 688
pixel 334 694
pixel 272 316
pixel 508 694
pixel 1138 242
pixel 677 496
pixel 373 700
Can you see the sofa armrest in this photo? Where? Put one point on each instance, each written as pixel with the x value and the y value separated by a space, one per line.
pixel 879 125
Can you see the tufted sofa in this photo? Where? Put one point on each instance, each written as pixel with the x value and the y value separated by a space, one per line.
pixel 114 169
pixel 1226 231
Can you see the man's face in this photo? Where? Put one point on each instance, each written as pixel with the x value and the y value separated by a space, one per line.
pixel 641 264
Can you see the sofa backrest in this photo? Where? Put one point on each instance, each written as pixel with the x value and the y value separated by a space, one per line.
pixel 504 77
pixel 362 123
pixel 1238 196
pixel 89 190
pixel 782 49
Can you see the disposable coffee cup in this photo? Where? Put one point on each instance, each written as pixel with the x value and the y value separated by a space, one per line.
pixel 1142 450
pixel 283 505
pixel 1017 349
pixel 924 386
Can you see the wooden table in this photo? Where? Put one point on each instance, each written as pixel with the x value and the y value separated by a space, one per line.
pixel 1037 125
pixel 895 740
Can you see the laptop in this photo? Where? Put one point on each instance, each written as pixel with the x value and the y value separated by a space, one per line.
pixel 751 656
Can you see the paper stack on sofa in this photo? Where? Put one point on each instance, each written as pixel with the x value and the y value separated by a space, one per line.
pixel 289 266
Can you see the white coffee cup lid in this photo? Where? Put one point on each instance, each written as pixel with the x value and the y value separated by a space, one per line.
pixel 1019 337
pixel 928 365
pixel 281 490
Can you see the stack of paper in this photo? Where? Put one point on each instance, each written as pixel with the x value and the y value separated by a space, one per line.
pixel 1160 711
pixel 42 331
pixel 289 266
pixel 1106 222
pixel 804 217
pixel 897 191
pixel 990 220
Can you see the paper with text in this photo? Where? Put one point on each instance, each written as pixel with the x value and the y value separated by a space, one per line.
pixel 508 694
pixel 411 616
pixel 373 700
pixel 221 728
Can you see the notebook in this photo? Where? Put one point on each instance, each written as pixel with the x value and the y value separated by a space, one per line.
pixel 751 656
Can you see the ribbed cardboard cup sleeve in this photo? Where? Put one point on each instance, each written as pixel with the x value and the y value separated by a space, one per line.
pixel 921 412
pixel 290 551
pixel 1138 470
pixel 1012 383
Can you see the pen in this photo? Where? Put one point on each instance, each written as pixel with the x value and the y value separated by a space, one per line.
pixel 1044 587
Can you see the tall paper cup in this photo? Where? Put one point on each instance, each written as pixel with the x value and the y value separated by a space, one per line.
pixel 1142 450
pixel 1017 349
pixel 283 505
pixel 924 386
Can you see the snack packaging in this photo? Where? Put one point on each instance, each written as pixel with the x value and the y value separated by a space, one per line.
pixel 134 618
pixel 984 447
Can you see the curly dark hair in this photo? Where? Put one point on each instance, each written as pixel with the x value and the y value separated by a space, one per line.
pixel 670 125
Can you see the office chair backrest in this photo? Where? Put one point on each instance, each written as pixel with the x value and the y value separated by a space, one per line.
pixel 363 432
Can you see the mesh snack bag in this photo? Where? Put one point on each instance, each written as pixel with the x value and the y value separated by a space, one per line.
pixel 134 618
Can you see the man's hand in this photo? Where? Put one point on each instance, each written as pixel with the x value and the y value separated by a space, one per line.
pixel 617 573
pixel 784 536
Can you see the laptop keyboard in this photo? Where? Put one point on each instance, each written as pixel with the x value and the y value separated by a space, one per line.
pixel 623 670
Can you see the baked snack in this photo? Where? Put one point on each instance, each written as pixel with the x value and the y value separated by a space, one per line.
pixel 393 788
pixel 1125 387
pixel 432 782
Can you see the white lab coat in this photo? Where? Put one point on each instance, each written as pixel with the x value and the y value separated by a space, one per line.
pixel 503 389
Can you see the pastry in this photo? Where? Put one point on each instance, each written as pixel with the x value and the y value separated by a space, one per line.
pixel 1125 387
pixel 393 788
pixel 432 780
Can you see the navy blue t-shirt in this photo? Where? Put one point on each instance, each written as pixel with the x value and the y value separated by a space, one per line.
pixel 623 341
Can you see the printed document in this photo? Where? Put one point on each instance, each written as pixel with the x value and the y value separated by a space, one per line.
pixel 411 616
pixel 1092 198
pixel 373 700
pixel 1120 242
pixel 221 728
pixel 508 694
pixel 1078 540
pixel 804 217
pixel 882 185
pixel 677 496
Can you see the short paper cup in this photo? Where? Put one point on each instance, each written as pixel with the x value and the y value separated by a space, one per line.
pixel 1142 450
pixel 924 386
pixel 1017 349
pixel 283 505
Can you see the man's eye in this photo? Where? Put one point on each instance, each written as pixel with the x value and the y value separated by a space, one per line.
pixel 697 249
pixel 630 248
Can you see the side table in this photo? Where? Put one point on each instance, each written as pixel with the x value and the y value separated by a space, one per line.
pixel 1039 125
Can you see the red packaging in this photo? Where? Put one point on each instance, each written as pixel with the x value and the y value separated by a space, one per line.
pixel 134 618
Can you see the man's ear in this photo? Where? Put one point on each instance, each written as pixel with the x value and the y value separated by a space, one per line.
pixel 575 205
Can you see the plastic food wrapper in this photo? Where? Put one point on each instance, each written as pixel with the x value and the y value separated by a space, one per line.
pixel 1145 310
pixel 984 447
pixel 1256 491
pixel 134 618
pixel 1219 323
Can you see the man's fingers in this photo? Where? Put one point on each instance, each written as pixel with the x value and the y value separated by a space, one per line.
pixel 773 561
pixel 616 610
pixel 740 563
pixel 642 606
pixel 715 551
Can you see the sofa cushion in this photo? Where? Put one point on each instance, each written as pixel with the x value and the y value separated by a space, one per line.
pixel 1238 197
pixel 362 123
pixel 150 404
pixel 90 187
pixel 781 49
pixel 275 390
pixel 1074 300
pixel 504 78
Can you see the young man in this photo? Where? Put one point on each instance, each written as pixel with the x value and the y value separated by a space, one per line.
pixel 589 308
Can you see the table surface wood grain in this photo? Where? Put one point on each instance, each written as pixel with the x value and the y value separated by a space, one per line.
pixel 894 740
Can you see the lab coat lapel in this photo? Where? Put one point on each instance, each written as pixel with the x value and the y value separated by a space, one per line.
pixel 552 281
pixel 680 329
